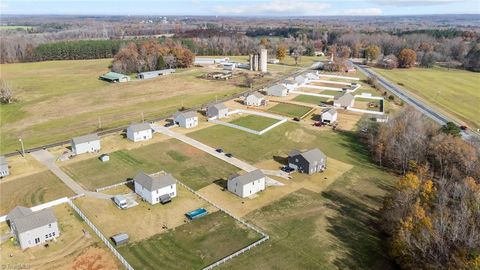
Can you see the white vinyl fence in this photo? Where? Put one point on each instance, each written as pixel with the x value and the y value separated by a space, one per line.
pixel 114 185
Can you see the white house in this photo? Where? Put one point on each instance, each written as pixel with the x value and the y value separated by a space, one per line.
pixel 33 228
pixel 247 184
pixel 290 84
pixel 300 80
pixel 186 119
pixel 218 110
pixel 311 76
pixel 278 90
pixel 155 189
pixel 85 144
pixel 255 99
pixel 139 132
pixel 344 100
pixel 329 116
pixel 4 170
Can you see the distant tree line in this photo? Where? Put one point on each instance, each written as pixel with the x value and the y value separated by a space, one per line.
pixel 79 49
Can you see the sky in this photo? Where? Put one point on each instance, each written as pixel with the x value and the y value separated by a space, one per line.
pixel 240 7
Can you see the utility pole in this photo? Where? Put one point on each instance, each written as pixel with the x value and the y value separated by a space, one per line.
pixel 99 123
pixel 143 118
pixel 23 148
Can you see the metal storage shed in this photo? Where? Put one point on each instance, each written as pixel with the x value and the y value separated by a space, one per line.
pixel 121 238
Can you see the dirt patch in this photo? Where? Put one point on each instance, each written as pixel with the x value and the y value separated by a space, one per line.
pixel 299 135
pixel 95 259
pixel 348 120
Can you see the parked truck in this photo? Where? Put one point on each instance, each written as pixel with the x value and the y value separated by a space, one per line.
pixel 120 201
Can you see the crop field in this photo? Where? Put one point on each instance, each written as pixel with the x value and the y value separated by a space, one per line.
pixel 311 99
pixel 292 110
pixel 188 164
pixel 31 190
pixel 454 92
pixel 57 100
pixel 74 249
pixel 330 227
pixel 254 122
pixel 190 246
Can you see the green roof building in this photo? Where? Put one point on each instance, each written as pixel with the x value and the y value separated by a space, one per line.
pixel 114 77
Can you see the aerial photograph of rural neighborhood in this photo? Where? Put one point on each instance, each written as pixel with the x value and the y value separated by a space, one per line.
pixel 241 134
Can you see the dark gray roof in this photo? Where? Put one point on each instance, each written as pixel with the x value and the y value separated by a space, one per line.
pixel 25 220
pixel 3 160
pixel 188 114
pixel 311 155
pixel 256 94
pixel 249 177
pixel 289 81
pixel 139 127
pixel 86 138
pixel 276 87
pixel 300 79
pixel 219 106
pixel 331 111
pixel 344 97
pixel 153 183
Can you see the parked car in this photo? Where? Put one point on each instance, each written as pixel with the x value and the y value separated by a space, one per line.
pixel 463 127
pixel 287 169
pixel 169 124
pixel 296 119
pixel 219 150
pixel 318 124
pixel 229 154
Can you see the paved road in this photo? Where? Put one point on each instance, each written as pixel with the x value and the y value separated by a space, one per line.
pixel 411 100
pixel 47 159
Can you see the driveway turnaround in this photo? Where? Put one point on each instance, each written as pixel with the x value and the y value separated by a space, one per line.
pixel 47 159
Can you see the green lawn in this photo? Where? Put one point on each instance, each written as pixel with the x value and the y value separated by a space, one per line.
pixel 311 99
pixel 330 92
pixel 190 246
pixel 31 190
pixel 452 91
pixel 15 27
pixel 193 167
pixel 254 122
pixel 292 110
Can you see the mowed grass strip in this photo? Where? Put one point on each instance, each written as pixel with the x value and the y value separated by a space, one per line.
pixel 254 122
pixel 292 110
pixel 190 246
pixel 311 99
pixel 31 190
pixel 190 165
pixel 453 91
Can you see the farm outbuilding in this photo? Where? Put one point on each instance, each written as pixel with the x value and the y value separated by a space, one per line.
pixel 255 99
pixel 155 73
pixel 186 119
pixel 277 90
pixel 290 84
pixel 247 184
pixel 139 132
pixel 105 158
pixel 218 110
pixel 152 188
pixel 4 170
pixel 300 80
pixel 329 116
pixel 308 162
pixel 85 144
pixel 33 228
pixel 210 61
pixel 344 100
pixel 119 239
pixel 114 77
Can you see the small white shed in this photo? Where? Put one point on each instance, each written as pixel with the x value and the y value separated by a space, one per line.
pixel 329 116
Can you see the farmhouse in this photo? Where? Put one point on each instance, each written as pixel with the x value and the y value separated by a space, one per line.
pixel 139 132
pixel 247 184
pixel 277 90
pixel 114 77
pixel 155 73
pixel 217 110
pixel 329 116
pixel 4 171
pixel 155 189
pixel 309 162
pixel 300 80
pixel 290 84
pixel 255 99
pixel 33 228
pixel 344 100
pixel 186 119
pixel 85 144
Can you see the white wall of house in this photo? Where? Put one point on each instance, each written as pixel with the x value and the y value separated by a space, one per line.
pixel 4 171
pixel 252 100
pixel 187 122
pixel 212 111
pixel 290 87
pixel 86 147
pixel 141 135
pixel 153 197
pixel 247 189
pixel 37 236
pixel 329 117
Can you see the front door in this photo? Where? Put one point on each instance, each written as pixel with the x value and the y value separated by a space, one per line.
pixel 37 240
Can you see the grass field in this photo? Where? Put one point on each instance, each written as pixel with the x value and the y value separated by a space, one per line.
pixel 452 91
pixel 310 99
pixel 31 190
pixel 61 99
pixel 15 27
pixel 190 165
pixel 292 110
pixel 72 250
pixel 333 228
pixel 190 246
pixel 254 122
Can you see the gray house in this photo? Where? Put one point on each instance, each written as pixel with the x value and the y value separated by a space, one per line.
pixel 277 90
pixel 4 171
pixel 300 80
pixel 33 228
pixel 255 99
pixel 85 144
pixel 344 100
pixel 308 162
pixel 218 110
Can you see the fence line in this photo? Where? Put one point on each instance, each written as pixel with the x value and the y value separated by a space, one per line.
pixel 114 185
pixel 264 238
pixel 100 235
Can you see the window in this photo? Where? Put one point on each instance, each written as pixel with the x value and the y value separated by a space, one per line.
pixel 49 225
pixel 53 233
pixel 46 235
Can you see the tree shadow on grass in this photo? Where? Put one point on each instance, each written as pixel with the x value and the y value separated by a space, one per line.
pixel 221 183
pixel 281 159
pixel 356 228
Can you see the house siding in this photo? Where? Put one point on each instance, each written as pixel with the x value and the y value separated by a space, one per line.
pixel 142 135
pixel 41 234
pixel 87 147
